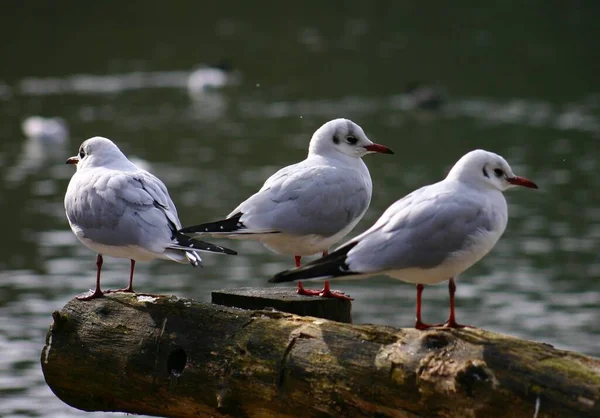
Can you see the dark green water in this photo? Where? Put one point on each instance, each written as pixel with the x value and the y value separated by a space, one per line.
pixel 521 79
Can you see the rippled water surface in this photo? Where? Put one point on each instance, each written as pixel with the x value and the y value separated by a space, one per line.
pixel 522 82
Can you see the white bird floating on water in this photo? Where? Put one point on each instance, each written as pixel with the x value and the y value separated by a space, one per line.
pixel 306 207
pixel 210 77
pixel 52 130
pixel 431 235
pixel 117 209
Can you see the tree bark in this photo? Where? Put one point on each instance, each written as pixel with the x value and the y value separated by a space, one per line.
pixel 284 299
pixel 166 356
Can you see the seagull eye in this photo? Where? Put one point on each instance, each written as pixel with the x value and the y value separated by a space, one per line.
pixel 498 172
pixel 81 153
pixel 351 140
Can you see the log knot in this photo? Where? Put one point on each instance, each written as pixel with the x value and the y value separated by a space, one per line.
pixel 60 321
pixel 475 378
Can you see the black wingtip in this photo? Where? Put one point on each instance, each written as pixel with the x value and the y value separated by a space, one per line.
pixel 226 225
pixel 196 244
pixel 332 265
pixel 280 277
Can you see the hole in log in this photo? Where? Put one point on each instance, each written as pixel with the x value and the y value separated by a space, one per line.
pixel 435 340
pixel 176 362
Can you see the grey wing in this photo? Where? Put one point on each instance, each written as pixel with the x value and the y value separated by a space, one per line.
pixel 159 193
pixel 124 209
pixel 302 200
pixel 421 231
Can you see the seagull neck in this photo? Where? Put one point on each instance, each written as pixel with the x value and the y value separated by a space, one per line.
pixel 337 157
pixel 117 164
pixel 466 178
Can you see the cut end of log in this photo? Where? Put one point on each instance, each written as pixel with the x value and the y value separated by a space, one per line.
pixel 284 299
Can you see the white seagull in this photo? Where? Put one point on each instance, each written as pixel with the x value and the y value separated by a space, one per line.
pixel 119 210
pixel 306 207
pixel 431 235
pixel 208 78
pixel 49 130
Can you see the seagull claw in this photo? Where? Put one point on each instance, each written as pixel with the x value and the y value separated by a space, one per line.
pixel 326 292
pixel 92 294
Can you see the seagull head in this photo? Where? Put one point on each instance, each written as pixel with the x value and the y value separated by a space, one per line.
pixel 97 152
pixel 487 169
pixel 346 137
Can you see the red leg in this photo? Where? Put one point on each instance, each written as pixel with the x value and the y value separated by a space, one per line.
pixel 301 290
pixel 129 289
pixel 96 293
pixel 451 322
pixel 419 324
pixel 325 292
pixel 306 292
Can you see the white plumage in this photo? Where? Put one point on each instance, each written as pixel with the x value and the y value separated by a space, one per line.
pixel 117 209
pixel 305 208
pixel 431 235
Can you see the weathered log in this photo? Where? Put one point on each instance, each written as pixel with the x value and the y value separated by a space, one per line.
pixel 179 358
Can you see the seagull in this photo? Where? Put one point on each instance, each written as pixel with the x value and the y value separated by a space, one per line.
pixel 306 207
pixel 117 209
pixel 431 235
pixel 48 130
pixel 210 77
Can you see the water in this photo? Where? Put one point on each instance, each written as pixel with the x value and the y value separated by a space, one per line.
pixel 520 81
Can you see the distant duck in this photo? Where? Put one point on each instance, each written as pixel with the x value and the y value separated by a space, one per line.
pixel 210 77
pixel 53 130
pixel 422 96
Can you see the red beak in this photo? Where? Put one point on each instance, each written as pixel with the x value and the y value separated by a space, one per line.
pixel 382 149
pixel 521 181
pixel 73 160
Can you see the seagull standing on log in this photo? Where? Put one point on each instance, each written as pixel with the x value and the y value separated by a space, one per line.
pixel 120 210
pixel 305 208
pixel 432 234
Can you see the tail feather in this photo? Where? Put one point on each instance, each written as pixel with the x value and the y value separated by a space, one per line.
pixel 193 258
pixel 332 265
pixel 231 224
pixel 190 244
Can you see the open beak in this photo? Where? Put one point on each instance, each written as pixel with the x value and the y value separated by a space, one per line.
pixel 521 181
pixel 73 160
pixel 382 149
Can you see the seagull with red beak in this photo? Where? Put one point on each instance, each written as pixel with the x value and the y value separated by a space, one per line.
pixel 431 235
pixel 305 208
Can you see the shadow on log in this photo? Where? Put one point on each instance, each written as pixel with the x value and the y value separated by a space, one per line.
pixel 179 358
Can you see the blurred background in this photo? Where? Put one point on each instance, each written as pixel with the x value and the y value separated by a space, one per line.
pixel 215 97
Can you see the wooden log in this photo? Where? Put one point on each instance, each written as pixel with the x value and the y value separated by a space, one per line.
pixel 284 299
pixel 176 357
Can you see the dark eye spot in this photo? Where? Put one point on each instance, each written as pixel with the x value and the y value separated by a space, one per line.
pixel 351 140
pixel 81 153
pixel 485 173
pixel 498 172
pixel 336 140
